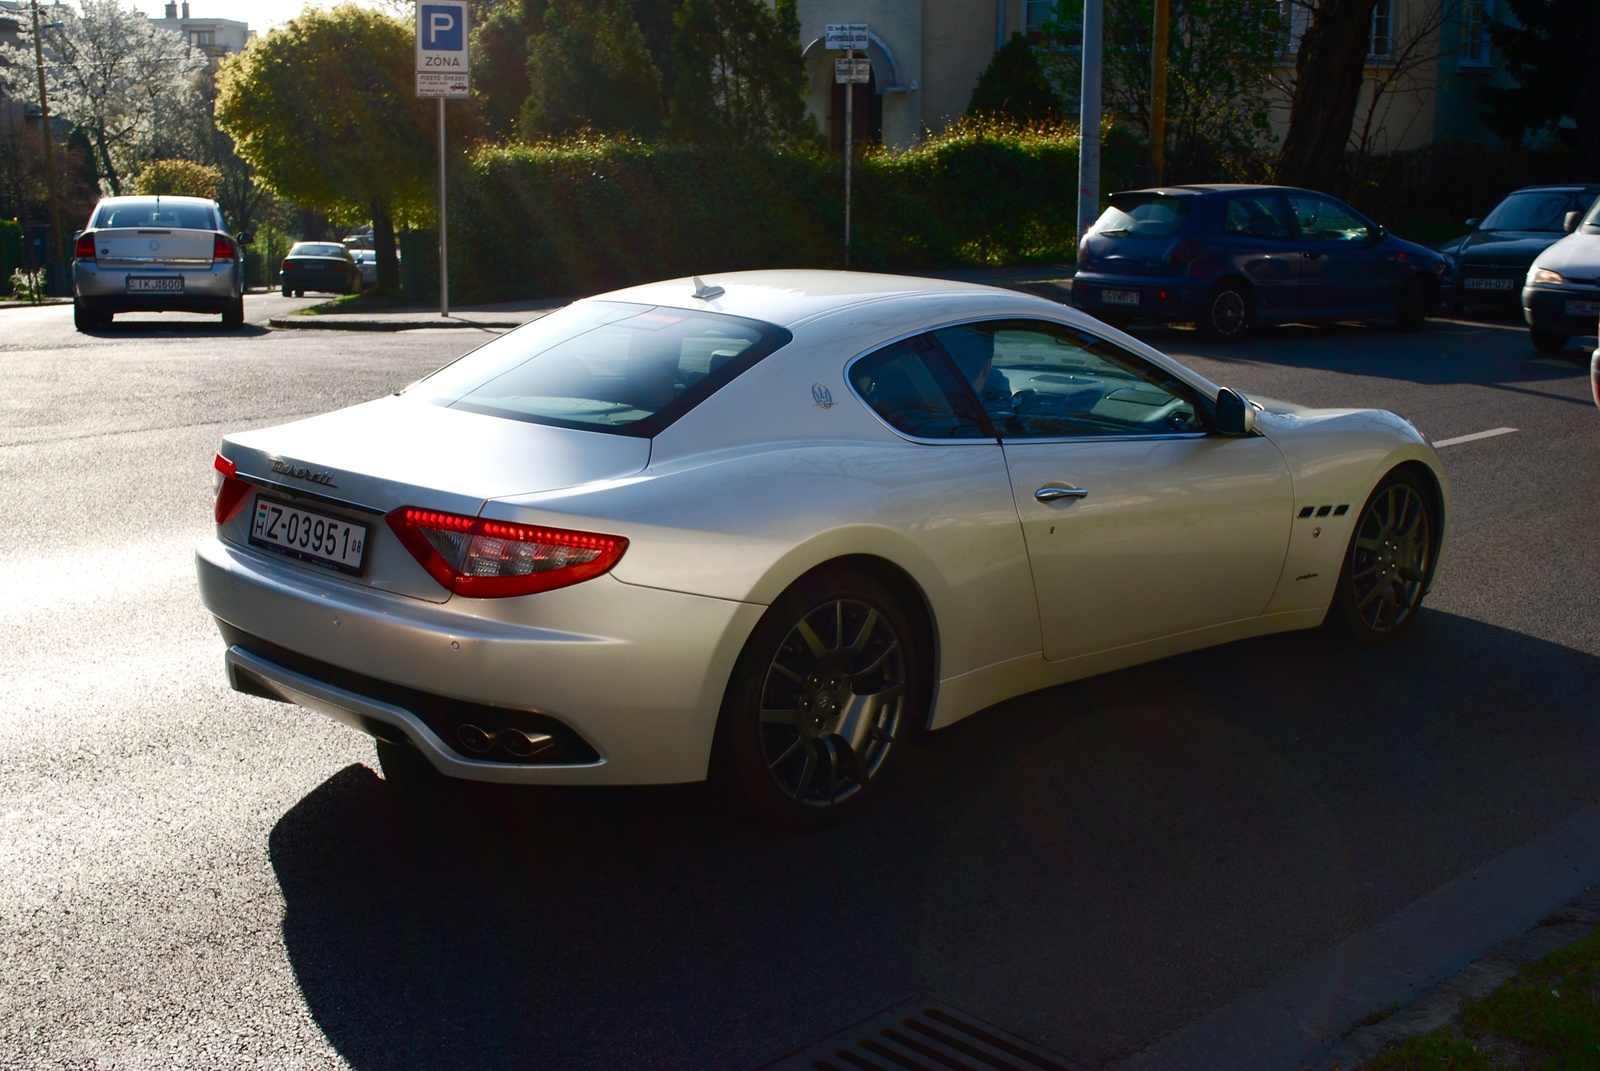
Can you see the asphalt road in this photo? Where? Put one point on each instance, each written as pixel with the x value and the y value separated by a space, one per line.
pixel 192 877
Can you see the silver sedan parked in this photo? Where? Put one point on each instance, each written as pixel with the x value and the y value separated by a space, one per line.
pixel 156 254
pixel 765 527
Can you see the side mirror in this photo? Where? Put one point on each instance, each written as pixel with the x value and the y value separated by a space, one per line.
pixel 244 237
pixel 1570 221
pixel 1235 416
pixel 1379 233
pixel 1473 222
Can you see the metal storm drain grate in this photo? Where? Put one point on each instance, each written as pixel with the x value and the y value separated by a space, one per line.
pixel 921 1034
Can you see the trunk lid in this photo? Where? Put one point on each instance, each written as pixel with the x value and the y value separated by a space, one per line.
pixel 153 247
pixel 360 463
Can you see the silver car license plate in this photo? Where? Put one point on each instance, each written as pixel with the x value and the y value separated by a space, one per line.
pixel 1119 297
pixel 155 284
pixel 1583 308
pixel 1487 284
pixel 313 537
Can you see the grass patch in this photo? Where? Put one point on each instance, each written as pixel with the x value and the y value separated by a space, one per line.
pixel 1547 1017
pixel 372 299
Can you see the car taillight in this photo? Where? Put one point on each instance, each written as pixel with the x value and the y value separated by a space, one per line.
pixel 1183 252
pixel 494 559
pixel 284 266
pixel 85 247
pixel 221 248
pixel 1083 250
pixel 229 489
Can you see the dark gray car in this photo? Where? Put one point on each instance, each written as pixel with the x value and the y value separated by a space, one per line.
pixel 1492 260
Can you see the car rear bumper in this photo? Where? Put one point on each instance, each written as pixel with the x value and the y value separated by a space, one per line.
pixel 1546 309
pixel 327 282
pixel 637 674
pixel 204 289
pixel 1159 299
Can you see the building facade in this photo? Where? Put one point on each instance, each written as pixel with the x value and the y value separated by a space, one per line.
pixel 212 37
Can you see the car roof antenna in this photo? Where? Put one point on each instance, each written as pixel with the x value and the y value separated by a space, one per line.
pixel 704 292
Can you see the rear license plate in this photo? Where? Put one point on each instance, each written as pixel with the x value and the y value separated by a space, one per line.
pixel 312 537
pixel 1487 284
pixel 1119 297
pixel 1583 308
pixel 155 284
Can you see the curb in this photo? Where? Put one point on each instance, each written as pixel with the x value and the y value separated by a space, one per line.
pixel 319 323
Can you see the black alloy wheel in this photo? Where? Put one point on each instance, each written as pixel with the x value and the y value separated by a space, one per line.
pixel 1225 315
pixel 1548 341
pixel 1389 562
pixel 822 697
pixel 1411 311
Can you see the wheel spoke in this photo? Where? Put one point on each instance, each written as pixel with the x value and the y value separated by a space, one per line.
pixel 794 745
pixel 831 772
pixel 864 634
pixel 807 772
pixel 1375 592
pixel 780 717
pixel 1370 544
pixel 875 664
pixel 787 672
pixel 813 641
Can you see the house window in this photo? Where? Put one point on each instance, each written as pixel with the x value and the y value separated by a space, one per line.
pixel 1296 20
pixel 1381 47
pixel 1476 15
pixel 203 37
pixel 1035 13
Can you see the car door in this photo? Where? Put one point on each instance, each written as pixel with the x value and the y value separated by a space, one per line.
pixel 1344 270
pixel 1257 238
pixel 1140 522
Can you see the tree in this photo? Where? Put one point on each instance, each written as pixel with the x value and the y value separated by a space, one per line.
pixel 1552 55
pixel 736 72
pixel 1220 56
pixel 1328 73
pixel 589 69
pixel 1014 86
pixel 180 178
pixel 325 110
pixel 499 72
pixel 111 73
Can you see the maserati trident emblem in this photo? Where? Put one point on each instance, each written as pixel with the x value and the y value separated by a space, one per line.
pixel 300 472
pixel 822 395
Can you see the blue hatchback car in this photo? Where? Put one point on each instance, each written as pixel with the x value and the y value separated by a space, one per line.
pixel 1227 257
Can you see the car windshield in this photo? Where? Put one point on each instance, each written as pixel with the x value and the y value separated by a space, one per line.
pixel 155 212
pixel 1535 210
pixel 604 366
pixel 317 249
pixel 1143 215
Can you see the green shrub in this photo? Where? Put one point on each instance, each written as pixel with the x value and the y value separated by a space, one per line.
pixel 589 214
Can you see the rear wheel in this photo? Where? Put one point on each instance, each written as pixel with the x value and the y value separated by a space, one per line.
pixel 823 696
pixel 1411 312
pixel 1225 314
pixel 1594 376
pixel 286 290
pixel 85 318
pixel 1389 562
pixel 1548 341
pixel 233 315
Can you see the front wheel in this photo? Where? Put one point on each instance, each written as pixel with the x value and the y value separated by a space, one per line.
pixel 1389 563
pixel 1411 312
pixel 825 692
pixel 1594 376
pixel 1225 315
pixel 1548 341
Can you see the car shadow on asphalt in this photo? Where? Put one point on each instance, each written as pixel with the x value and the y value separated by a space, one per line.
pixel 177 328
pixel 1090 866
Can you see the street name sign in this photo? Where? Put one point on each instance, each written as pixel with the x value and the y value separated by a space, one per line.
pixel 843 35
pixel 442 67
pixel 858 71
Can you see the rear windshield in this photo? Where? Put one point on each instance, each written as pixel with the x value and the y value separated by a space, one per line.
pixel 1143 215
pixel 1536 210
pixel 317 249
pixel 155 212
pixel 604 366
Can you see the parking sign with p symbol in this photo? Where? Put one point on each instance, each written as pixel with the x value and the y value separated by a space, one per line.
pixel 441 28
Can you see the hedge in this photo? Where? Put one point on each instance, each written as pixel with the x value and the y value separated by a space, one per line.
pixel 590 214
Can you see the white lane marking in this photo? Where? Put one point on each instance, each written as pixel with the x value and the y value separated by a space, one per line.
pixel 1473 437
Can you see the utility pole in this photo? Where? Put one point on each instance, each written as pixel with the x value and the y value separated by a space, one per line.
pixel 49 151
pixel 849 144
pixel 1089 119
pixel 1158 90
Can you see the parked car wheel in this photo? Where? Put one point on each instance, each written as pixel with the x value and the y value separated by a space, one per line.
pixel 1594 376
pixel 1548 341
pixel 233 315
pixel 287 291
pixel 1389 562
pixel 822 697
pixel 1225 316
pixel 1411 311
pixel 85 318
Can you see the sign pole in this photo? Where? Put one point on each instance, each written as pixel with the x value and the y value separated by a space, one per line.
pixel 1089 119
pixel 849 140
pixel 444 227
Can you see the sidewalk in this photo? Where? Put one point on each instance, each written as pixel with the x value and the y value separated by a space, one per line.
pixel 1052 281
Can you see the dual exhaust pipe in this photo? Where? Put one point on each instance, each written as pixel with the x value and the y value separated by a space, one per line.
pixel 521 743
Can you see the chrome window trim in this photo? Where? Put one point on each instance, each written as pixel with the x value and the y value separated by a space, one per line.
pixel 1000 440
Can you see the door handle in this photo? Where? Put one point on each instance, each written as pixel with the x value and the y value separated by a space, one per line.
pixel 1050 494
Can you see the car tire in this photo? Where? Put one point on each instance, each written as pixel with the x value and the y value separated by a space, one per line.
pixel 1594 376
pixel 84 318
pixel 287 292
pixel 1411 310
pixel 233 315
pixel 299 293
pixel 1388 563
pixel 1225 313
pixel 825 694
pixel 1548 341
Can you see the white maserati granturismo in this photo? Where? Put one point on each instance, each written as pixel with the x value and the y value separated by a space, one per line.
pixel 766 526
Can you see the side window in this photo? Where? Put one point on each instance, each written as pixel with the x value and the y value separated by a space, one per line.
pixel 1045 381
pixel 1256 215
pixel 1322 220
pixel 910 385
